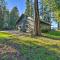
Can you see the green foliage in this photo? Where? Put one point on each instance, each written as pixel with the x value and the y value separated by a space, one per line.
pixel 8 19
pixel 44 31
pixel 54 6
pixel 57 4
pixel 51 4
pixel 53 34
pixel 14 15
pixel 2 5
pixel 4 14
pixel 29 8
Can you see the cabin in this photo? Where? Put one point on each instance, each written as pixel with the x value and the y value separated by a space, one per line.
pixel 26 24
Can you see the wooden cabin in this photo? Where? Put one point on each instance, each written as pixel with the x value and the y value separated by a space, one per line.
pixel 26 24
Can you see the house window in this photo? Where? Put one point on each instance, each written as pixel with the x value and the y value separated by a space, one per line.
pixel 26 25
pixel 20 26
pixel 0 6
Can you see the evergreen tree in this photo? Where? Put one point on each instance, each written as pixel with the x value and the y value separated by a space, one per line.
pixel 14 15
pixel 54 6
pixel 2 5
pixel 6 18
pixel 29 8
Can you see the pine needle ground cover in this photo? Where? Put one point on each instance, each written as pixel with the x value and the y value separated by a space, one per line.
pixel 37 48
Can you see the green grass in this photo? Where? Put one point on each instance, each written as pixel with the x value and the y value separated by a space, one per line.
pixel 4 35
pixel 38 48
pixel 53 34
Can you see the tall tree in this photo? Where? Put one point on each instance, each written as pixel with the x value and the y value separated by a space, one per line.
pixel 54 6
pixel 6 18
pixel 1 19
pixel 14 15
pixel 29 9
pixel 2 5
pixel 37 19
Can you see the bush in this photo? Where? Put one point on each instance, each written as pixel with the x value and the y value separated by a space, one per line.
pixel 44 31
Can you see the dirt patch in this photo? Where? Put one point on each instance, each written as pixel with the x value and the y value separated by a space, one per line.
pixel 9 53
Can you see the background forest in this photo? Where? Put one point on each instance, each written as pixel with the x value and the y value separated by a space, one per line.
pixel 8 18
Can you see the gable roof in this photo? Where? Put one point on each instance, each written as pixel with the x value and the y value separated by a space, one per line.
pixel 23 15
pixel 45 22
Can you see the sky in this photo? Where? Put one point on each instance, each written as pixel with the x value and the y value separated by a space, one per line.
pixel 19 3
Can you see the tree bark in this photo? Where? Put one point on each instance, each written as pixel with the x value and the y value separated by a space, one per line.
pixel 37 19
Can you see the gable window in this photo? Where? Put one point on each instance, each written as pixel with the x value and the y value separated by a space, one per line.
pixel 20 26
pixel 26 25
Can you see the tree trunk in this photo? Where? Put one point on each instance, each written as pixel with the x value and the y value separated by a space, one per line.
pixel 37 19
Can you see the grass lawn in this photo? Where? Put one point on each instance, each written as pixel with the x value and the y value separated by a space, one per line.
pixel 53 34
pixel 38 48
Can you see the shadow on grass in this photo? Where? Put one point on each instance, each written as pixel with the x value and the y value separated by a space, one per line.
pixel 31 51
